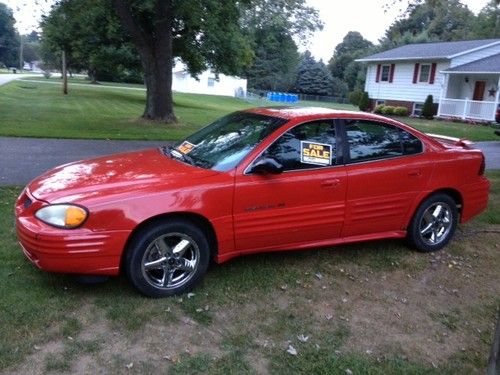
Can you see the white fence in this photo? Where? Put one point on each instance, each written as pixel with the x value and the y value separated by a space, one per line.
pixel 467 109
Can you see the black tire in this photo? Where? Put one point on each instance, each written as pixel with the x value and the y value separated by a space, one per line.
pixel 157 270
pixel 429 232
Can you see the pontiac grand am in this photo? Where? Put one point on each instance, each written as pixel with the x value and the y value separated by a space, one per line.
pixel 264 179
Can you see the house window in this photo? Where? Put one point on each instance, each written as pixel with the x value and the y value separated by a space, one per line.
pixel 379 102
pixel 425 73
pixel 417 109
pixel 385 73
pixel 211 81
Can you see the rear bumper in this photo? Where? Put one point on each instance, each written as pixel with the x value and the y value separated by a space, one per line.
pixel 475 198
pixel 79 251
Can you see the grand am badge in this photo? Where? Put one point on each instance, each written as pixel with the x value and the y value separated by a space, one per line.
pixel 315 153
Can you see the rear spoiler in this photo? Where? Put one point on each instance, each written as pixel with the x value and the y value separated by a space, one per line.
pixel 465 143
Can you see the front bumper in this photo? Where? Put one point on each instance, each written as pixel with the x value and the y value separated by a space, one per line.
pixel 81 251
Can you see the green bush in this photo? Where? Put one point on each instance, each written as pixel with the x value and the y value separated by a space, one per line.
pixel 379 109
pixel 355 97
pixel 428 108
pixel 364 102
pixel 401 111
pixel 388 110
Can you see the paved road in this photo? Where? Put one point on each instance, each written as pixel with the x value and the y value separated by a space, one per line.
pixel 491 152
pixel 22 159
pixel 5 78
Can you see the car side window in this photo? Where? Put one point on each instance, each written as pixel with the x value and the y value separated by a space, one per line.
pixel 306 146
pixel 370 140
pixel 411 144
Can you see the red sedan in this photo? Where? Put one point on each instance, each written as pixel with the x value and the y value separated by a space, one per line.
pixel 264 179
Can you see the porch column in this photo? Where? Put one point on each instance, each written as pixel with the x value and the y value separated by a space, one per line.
pixel 497 98
pixel 444 91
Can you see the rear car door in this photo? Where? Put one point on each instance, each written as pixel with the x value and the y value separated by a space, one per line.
pixel 387 169
pixel 305 203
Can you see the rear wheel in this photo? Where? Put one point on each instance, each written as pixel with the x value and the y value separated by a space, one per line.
pixel 434 223
pixel 168 258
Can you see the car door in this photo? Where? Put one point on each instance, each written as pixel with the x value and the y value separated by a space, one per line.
pixel 386 170
pixel 304 204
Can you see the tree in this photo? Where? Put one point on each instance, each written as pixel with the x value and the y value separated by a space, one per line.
pixel 9 39
pixel 273 26
pixel 313 77
pixel 342 65
pixel 276 59
pixel 437 20
pixel 487 24
pixel 203 34
pixel 364 101
pixel 93 39
pixel 293 17
pixel 428 108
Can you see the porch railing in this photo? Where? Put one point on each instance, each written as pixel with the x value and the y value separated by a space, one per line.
pixel 467 109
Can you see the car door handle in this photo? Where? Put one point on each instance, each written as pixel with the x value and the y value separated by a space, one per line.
pixel 415 173
pixel 330 182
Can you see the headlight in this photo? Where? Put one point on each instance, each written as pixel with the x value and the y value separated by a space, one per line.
pixel 62 215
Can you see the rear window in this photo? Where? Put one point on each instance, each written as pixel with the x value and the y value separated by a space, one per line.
pixel 369 140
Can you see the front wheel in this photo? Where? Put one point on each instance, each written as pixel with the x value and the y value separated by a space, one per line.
pixel 168 258
pixel 434 223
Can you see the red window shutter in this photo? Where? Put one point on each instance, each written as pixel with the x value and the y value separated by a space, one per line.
pixel 391 73
pixel 415 72
pixel 433 73
pixel 377 77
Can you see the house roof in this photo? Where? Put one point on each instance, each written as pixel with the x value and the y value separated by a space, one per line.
pixel 441 50
pixel 490 64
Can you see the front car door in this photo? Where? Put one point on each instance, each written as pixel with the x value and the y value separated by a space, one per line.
pixel 386 171
pixel 305 204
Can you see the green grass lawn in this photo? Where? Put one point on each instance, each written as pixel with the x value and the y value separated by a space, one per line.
pixel 38 109
pixel 246 311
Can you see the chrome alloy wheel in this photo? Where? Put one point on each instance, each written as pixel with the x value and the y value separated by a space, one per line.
pixel 170 261
pixel 436 223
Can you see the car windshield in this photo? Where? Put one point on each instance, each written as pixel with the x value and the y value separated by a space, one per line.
pixel 223 144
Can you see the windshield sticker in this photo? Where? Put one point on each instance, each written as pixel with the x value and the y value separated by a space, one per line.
pixel 315 153
pixel 185 147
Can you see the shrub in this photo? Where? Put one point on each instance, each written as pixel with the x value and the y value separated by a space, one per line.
pixel 388 110
pixel 379 109
pixel 364 102
pixel 401 111
pixel 428 108
pixel 355 97
pixel 47 74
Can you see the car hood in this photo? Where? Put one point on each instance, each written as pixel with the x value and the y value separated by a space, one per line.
pixel 113 174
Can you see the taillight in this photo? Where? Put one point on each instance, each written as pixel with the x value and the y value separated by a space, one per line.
pixel 483 166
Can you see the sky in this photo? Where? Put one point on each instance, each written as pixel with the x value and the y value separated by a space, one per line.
pixel 339 17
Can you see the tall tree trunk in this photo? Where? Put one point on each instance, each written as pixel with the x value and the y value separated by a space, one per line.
pixel 159 101
pixel 155 52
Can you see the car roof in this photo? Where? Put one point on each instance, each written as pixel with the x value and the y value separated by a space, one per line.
pixel 310 113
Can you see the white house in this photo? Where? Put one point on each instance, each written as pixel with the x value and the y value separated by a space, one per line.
pixel 463 77
pixel 207 83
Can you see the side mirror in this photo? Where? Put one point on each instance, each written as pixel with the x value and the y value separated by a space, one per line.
pixel 265 165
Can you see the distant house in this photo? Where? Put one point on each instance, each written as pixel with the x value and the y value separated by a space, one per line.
pixel 207 83
pixel 463 77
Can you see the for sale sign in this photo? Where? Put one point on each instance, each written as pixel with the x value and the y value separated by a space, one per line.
pixel 315 153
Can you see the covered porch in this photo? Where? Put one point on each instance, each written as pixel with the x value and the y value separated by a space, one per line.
pixel 470 97
pixel 471 91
